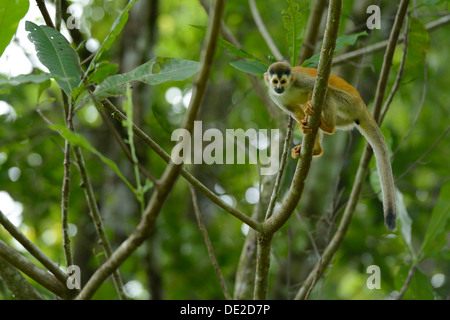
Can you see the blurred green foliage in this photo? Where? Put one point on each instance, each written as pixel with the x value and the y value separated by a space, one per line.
pixel 175 259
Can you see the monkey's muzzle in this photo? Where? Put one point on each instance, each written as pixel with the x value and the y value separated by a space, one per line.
pixel 279 90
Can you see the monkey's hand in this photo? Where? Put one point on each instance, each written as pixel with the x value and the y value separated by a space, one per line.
pixel 307 108
pixel 304 126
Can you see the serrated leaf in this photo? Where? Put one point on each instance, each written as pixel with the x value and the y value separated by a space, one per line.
pixel 116 28
pixel 253 67
pixel 294 19
pixel 57 55
pixel 153 72
pixel 78 140
pixel 11 11
pixel 438 225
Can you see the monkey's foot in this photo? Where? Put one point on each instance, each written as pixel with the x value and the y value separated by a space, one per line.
pixel 295 152
pixel 308 108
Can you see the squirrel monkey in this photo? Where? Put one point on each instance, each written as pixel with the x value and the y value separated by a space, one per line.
pixel 291 89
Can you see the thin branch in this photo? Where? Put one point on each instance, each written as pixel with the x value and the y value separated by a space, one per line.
pixel 283 162
pixel 361 173
pixel 96 217
pixel 419 110
pixel 398 79
pixel 65 206
pixel 407 282
pixel 118 115
pixel 124 147
pixel 16 282
pixel 44 278
pixel 418 161
pixel 208 244
pixel 312 31
pixel 271 225
pixel 263 31
pixel 32 249
pixel 58 16
pixel 259 88
pixel 172 171
pixel 45 14
pixel 379 46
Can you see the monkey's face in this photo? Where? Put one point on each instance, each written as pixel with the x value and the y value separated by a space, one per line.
pixel 278 77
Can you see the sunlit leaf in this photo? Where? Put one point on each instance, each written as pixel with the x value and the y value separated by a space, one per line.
pixel 57 55
pixel 11 11
pixel 116 29
pixel 294 19
pixel 253 67
pixel 153 72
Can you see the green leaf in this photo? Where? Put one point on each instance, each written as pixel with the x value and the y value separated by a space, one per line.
pixel 78 140
pixel 294 20
pixel 11 11
pixel 57 55
pixel 103 70
pixel 341 41
pixel 253 67
pixel 435 239
pixel 348 40
pixel 26 78
pixel 419 288
pixel 238 52
pixel 418 43
pixel 153 72
pixel 116 29
pixel 431 3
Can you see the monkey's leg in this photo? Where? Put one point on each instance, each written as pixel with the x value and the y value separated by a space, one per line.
pixel 318 151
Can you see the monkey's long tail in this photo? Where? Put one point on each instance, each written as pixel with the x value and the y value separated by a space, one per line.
pixel 370 130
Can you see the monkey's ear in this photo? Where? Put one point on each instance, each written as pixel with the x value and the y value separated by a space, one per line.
pixel 266 77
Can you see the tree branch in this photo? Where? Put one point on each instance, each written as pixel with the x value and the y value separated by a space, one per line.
pixel 118 115
pixel 172 171
pixel 271 225
pixel 361 173
pixel 312 31
pixel 208 244
pixel 32 249
pixel 263 31
pixel 16 282
pixel 44 278
pixel 383 44
pixel 45 14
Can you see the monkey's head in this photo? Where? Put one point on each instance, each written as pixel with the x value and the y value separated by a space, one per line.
pixel 278 77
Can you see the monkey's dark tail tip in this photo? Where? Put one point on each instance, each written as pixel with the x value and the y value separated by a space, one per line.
pixel 389 221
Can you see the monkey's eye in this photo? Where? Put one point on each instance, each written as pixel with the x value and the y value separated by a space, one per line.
pixel 283 81
pixel 275 81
